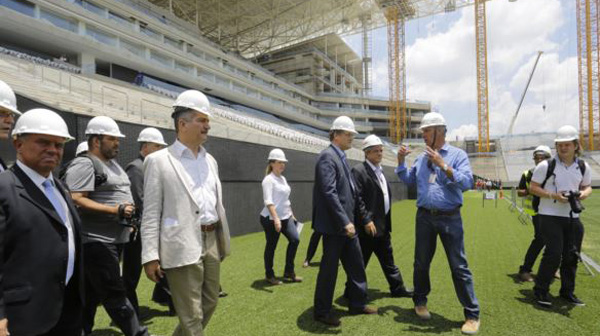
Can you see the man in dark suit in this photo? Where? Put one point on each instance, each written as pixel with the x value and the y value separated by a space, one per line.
pixel 8 113
pixel 41 277
pixel 336 207
pixel 376 193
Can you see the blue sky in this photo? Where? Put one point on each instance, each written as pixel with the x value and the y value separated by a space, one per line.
pixel 441 65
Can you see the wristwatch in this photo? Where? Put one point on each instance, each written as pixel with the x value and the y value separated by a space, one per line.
pixel 445 167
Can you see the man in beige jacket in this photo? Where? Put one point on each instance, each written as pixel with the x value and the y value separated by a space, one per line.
pixel 184 228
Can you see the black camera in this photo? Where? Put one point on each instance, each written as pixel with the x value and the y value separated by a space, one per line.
pixel 574 201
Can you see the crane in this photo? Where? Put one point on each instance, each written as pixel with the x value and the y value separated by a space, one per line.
pixel 514 118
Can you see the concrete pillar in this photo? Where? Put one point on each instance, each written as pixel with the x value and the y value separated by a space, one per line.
pixel 87 62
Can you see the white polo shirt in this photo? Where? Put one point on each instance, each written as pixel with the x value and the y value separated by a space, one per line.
pixel 564 179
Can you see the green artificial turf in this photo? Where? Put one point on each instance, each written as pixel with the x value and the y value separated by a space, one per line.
pixel 495 243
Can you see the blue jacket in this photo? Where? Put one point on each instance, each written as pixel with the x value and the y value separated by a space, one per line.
pixel 335 204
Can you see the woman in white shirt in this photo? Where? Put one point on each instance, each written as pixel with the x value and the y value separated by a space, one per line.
pixel 560 226
pixel 277 217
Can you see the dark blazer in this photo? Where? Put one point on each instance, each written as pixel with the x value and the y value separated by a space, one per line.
pixel 33 255
pixel 367 185
pixel 135 172
pixel 334 203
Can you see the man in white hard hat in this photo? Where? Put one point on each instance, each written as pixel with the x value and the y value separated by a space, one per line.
pixel 530 206
pixel 41 271
pixel 150 140
pixel 561 183
pixel 336 203
pixel 441 174
pixel 184 228
pixel 375 237
pixel 8 114
pixel 101 189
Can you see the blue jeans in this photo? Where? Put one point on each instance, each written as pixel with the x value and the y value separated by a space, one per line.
pixel 289 230
pixel 450 230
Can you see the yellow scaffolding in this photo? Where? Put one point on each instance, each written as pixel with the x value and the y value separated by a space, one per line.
pixel 397 73
pixel 483 118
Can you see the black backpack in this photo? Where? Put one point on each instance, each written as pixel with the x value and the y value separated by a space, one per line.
pixel 551 165
pixel 100 176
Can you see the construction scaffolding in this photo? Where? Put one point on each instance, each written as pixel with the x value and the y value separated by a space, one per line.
pixel 588 16
pixel 483 119
pixel 367 56
pixel 396 73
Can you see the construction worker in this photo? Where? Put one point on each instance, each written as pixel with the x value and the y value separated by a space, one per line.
pixel 150 140
pixel 540 154
pixel 101 189
pixel 8 113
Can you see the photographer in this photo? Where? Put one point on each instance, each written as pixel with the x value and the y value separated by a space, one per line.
pixel 101 190
pixel 561 183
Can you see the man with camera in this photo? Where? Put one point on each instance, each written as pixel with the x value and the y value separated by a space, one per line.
pixel 530 206
pixel 101 190
pixel 561 183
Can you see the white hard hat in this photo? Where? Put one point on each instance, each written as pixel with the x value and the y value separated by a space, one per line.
pixel 566 133
pixel 82 147
pixel 8 100
pixel 432 119
pixel 42 121
pixel 151 134
pixel 193 99
pixel 544 149
pixel 103 125
pixel 343 123
pixel 277 155
pixel 370 141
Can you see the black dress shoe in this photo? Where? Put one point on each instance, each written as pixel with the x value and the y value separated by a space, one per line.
pixel 366 310
pixel 402 292
pixel 328 320
pixel 572 299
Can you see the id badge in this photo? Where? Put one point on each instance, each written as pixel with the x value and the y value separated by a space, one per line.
pixel 432 177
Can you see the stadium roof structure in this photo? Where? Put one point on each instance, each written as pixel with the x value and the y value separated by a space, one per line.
pixel 254 27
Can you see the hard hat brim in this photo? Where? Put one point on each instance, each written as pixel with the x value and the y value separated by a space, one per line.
pixel 12 109
pixel 432 125
pixel 566 140
pixel 67 137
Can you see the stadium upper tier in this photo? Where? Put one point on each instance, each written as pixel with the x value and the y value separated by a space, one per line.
pixel 121 39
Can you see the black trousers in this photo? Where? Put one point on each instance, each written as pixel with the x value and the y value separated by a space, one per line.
pixel 312 245
pixel 536 246
pixel 69 323
pixel 132 269
pixel 338 248
pixel 104 285
pixel 288 229
pixel 563 237
pixel 382 247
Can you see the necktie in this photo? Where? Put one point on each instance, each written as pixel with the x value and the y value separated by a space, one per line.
pixel 49 191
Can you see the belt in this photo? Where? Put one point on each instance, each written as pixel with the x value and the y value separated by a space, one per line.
pixel 435 212
pixel 208 228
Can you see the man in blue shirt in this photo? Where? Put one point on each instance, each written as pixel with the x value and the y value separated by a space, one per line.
pixel 441 174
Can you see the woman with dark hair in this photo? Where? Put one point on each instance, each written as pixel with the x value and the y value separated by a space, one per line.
pixel 277 217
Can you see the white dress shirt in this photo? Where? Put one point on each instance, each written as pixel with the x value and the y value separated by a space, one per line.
pixel 276 191
pixel 383 183
pixel 38 180
pixel 203 183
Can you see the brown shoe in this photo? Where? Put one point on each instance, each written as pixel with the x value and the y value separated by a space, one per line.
pixel 471 327
pixel 557 275
pixel 292 277
pixel 273 281
pixel 422 312
pixel 526 277
pixel 366 310
pixel 328 320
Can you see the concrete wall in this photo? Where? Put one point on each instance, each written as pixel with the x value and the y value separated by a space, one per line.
pixel 241 169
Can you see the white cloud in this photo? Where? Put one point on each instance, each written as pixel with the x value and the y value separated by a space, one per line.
pixel 462 132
